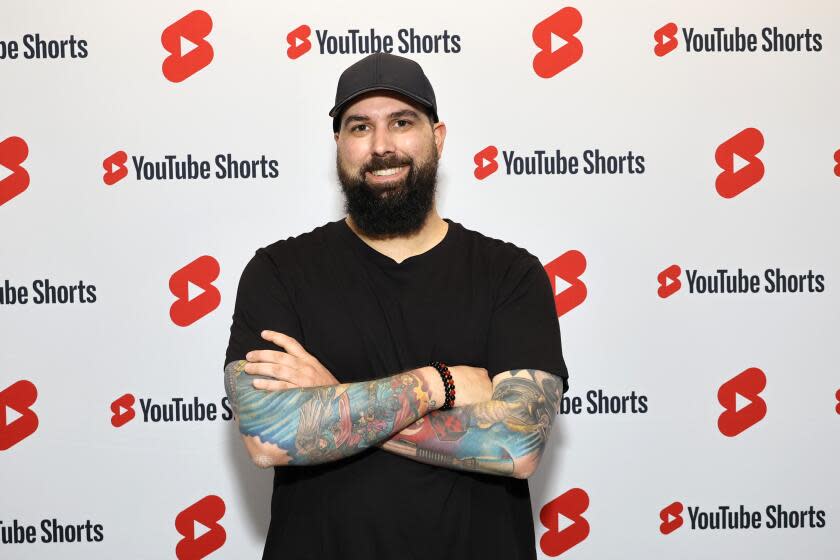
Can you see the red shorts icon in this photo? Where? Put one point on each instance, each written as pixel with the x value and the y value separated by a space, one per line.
pixel 114 166
pixel 123 410
pixel 566 510
pixel 17 419
pixel 669 281
pixel 196 294
pixel 13 152
pixel 559 48
pixel 201 517
pixel 738 158
pixel 298 39
pixel 566 270
pixel 666 39
pixel 671 516
pixel 184 40
pixel 485 162
pixel 743 407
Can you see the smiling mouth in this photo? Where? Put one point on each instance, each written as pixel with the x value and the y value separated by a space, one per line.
pixel 386 175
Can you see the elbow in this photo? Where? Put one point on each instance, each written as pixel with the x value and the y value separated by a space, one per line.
pixel 525 466
pixel 265 455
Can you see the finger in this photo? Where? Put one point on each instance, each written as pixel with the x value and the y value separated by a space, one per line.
pixel 274 357
pixel 272 385
pixel 286 342
pixel 275 371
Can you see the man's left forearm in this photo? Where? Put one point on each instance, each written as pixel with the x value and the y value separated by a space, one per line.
pixel 503 436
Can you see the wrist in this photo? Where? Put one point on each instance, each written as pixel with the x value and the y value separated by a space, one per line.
pixel 437 390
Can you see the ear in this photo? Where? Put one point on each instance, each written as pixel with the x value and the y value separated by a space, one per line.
pixel 439 130
pixel 335 135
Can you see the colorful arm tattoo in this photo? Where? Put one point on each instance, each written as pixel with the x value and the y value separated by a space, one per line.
pixel 314 425
pixel 504 436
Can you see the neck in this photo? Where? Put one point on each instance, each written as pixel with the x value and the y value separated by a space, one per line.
pixel 401 247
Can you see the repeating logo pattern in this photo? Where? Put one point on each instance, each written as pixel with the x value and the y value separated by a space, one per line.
pixel 556 45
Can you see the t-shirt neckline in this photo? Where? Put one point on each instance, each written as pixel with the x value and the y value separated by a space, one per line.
pixel 385 260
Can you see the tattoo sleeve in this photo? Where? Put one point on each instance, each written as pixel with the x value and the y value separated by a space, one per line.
pixel 313 425
pixel 504 436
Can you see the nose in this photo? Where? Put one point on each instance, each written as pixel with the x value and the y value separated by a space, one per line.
pixel 383 141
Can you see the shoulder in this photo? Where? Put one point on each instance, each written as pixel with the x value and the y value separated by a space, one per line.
pixel 502 258
pixel 277 260
pixel 299 247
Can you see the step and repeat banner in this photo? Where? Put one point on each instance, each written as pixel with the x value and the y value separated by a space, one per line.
pixel 675 166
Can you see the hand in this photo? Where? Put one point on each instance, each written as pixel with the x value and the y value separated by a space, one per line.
pixel 472 385
pixel 290 369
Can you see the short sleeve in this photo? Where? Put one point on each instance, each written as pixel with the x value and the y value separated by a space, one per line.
pixel 524 330
pixel 262 303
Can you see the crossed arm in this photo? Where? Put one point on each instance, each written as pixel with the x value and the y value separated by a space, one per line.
pixel 505 435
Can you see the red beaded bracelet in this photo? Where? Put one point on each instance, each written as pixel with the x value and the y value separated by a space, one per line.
pixel 448 384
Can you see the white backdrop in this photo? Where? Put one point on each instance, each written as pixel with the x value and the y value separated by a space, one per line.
pixel 127 484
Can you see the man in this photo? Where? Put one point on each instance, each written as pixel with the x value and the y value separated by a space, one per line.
pixel 333 334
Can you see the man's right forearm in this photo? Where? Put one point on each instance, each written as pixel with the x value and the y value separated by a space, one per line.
pixel 307 426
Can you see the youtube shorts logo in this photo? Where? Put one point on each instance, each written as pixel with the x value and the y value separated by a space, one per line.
pixel 184 40
pixel 743 407
pixel 738 158
pixel 666 39
pixel 564 521
pixel 13 177
pixel 17 419
pixel 555 37
pixel 114 166
pixel 193 286
pixel 671 516
pixel 485 162
pixel 199 525
pixel 669 281
pixel 123 410
pixel 564 273
pixel 298 39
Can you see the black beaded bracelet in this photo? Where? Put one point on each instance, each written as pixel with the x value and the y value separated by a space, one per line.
pixel 448 384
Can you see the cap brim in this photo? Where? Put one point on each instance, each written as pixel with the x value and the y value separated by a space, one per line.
pixel 424 102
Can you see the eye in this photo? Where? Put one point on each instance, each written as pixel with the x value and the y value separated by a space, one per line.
pixel 357 128
pixel 402 123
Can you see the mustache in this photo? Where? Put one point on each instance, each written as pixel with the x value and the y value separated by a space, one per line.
pixel 377 163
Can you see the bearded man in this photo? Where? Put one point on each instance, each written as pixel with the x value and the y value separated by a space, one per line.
pixel 337 360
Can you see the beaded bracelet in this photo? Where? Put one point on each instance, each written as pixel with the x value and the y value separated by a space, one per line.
pixel 448 384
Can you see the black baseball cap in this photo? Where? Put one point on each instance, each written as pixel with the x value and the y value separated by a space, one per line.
pixel 383 71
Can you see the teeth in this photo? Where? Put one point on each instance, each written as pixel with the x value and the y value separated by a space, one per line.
pixel 382 172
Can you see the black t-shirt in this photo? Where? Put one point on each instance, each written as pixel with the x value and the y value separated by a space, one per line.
pixel 469 300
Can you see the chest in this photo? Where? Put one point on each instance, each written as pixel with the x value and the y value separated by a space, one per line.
pixel 367 323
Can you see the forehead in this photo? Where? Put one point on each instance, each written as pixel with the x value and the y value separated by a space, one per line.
pixel 380 103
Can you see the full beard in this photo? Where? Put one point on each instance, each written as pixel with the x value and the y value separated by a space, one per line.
pixel 398 209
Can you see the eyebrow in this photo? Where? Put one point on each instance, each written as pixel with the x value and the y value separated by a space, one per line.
pixel 395 115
